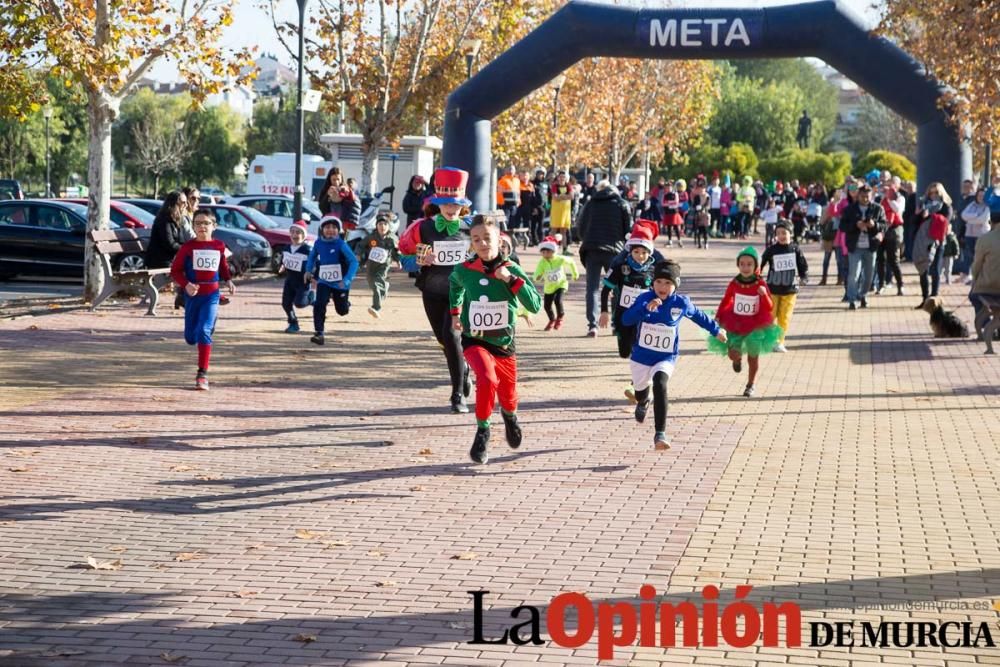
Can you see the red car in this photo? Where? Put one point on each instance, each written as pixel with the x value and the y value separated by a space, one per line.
pixel 252 220
pixel 124 214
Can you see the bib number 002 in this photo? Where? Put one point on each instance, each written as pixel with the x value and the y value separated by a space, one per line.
pixel 489 315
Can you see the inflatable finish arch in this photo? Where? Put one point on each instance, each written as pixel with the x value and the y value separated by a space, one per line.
pixel 583 29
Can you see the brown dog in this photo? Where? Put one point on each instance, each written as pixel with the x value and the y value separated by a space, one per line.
pixel 944 323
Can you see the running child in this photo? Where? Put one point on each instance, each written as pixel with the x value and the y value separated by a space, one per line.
pixel 654 317
pixel 197 268
pixel 747 314
pixel 376 250
pixel 556 271
pixel 786 267
pixel 484 297
pixel 296 292
pixel 330 268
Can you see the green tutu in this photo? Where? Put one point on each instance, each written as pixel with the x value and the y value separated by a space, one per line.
pixel 753 344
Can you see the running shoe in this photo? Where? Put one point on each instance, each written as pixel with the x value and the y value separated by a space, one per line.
pixel 630 395
pixel 478 452
pixel 550 325
pixel 318 338
pixel 512 430
pixel 374 313
pixel 458 405
pixel 558 324
pixel 201 381
pixel 780 348
pixel 660 441
pixel 292 328
pixel 592 332
pixel 749 391
pixel 640 411
pixel 738 365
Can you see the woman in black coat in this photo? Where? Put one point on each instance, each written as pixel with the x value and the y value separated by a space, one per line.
pixel 167 235
pixel 413 200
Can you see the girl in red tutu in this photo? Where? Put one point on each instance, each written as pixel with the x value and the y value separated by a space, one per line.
pixel 746 312
pixel 672 218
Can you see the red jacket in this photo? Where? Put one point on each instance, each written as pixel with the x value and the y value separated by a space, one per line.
pixel 756 310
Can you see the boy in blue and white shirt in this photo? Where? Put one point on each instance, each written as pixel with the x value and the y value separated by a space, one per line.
pixel 330 268
pixel 656 315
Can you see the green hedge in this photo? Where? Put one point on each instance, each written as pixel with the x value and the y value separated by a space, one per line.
pixel 894 163
pixel 807 166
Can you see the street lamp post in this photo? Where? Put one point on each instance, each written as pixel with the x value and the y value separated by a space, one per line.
pixel 470 48
pixel 47 114
pixel 300 146
pixel 392 178
pixel 179 126
pixel 126 149
pixel 556 84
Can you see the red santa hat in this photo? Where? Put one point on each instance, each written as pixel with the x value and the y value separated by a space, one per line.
pixel 549 243
pixel 300 225
pixel 643 233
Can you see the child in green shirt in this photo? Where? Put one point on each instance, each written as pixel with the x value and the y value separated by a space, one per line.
pixel 553 269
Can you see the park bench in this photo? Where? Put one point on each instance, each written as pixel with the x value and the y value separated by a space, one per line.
pixel 520 235
pixel 108 242
pixel 984 331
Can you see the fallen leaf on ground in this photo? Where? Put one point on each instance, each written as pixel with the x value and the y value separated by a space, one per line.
pixel 118 548
pixel 467 555
pixel 6 523
pixel 94 564
pixel 426 451
pixel 388 583
pixel 126 425
pixel 19 469
pixel 304 534
pixel 376 552
pixel 416 488
pixel 351 500
pixel 63 653
pixel 304 638
pixel 188 555
pixel 181 468
pixel 33 327
pixel 243 594
pixel 208 478
pixel 336 543
pixel 171 658
pixel 255 546
pixel 53 306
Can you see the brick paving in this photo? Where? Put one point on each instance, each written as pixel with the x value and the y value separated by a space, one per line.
pixel 317 507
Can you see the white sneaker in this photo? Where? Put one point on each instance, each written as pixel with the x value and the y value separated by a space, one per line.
pixel 374 313
pixel 779 348
pixel 968 280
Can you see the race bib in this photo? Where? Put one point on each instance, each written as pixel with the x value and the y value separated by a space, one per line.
pixel 657 337
pixel 450 253
pixel 784 262
pixel 206 260
pixel 378 255
pixel 293 261
pixel 746 305
pixel 629 295
pixel 330 273
pixel 554 276
pixel 488 315
pixel 864 241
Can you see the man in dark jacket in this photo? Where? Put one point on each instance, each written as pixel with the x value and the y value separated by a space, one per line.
pixel 604 225
pixel 863 224
pixel 540 187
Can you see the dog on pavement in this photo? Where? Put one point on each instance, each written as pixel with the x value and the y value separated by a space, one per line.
pixel 944 323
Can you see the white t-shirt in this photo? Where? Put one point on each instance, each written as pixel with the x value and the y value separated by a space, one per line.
pixel 770 215
pixel 715 195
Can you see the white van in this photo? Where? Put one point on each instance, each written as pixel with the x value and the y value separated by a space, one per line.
pixel 275 175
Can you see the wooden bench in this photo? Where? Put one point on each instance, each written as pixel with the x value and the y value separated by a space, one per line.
pixel 110 242
pixel 521 235
pixel 991 314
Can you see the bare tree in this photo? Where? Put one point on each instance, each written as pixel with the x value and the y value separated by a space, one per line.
pixel 158 152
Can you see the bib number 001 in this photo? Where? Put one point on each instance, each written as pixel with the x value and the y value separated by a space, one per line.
pixel 746 305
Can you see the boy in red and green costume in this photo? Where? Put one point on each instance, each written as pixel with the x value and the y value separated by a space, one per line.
pixel 484 296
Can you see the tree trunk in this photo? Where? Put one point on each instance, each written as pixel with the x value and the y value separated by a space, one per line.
pixel 101 112
pixel 156 186
pixel 369 167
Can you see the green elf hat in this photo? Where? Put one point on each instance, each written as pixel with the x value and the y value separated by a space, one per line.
pixel 749 251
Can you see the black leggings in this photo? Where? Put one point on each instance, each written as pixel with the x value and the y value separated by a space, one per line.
pixel 673 229
pixel 556 298
pixel 659 400
pixel 626 338
pixel 439 315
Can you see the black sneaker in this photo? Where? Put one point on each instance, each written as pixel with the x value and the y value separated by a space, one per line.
pixel 466 382
pixel 852 306
pixel 479 445
pixel 864 303
pixel 512 430
pixel 458 405
pixel 318 338
pixel 640 411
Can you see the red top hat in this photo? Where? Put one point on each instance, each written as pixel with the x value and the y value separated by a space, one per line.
pixel 449 186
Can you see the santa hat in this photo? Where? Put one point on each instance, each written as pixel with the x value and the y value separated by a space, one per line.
pixel 549 243
pixel 299 225
pixel 330 219
pixel 641 236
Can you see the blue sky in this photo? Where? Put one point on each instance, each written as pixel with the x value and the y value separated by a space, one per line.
pixel 252 24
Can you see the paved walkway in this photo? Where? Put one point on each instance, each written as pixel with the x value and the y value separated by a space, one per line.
pixel 317 507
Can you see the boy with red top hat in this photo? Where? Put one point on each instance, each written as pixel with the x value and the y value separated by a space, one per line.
pixel 555 271
pixel 197 269
pixel 439 245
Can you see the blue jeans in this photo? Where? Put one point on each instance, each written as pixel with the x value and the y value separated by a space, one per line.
pixel 968 254
pixel 859 262
pixel 596 265
pixel 931 278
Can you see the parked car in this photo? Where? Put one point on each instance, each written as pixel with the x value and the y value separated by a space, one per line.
pixel 46 237
pixel 250 219
pixel 280 208
pixel 240 242
pixel 10 189
pixel 124 214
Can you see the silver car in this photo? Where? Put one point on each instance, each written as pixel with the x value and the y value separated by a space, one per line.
pixel 279 208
